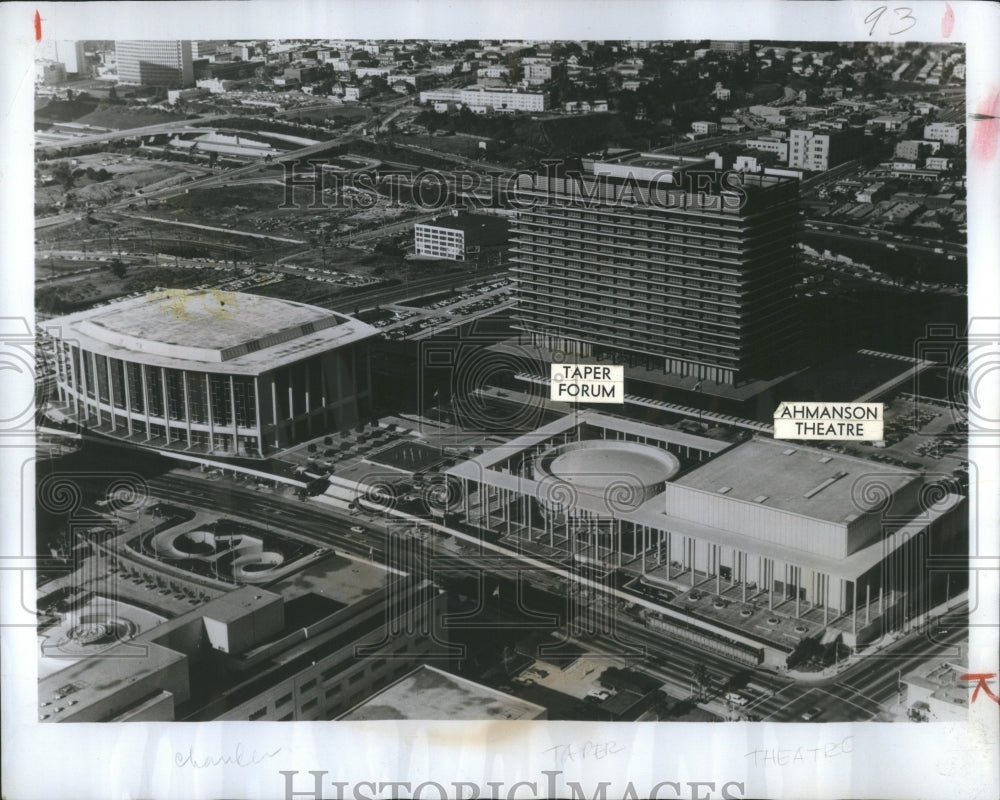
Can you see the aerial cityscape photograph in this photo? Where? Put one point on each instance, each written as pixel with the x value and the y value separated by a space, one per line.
pixel 307 312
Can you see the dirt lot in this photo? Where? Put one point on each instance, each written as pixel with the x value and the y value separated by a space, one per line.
pixel 110 178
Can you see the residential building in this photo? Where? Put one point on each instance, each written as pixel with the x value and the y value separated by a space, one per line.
pixel 816 151
pixel 481 99
pixel 916 149
pixel 945 132
pixel 720 46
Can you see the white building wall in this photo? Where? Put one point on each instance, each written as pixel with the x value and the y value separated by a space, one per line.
pixel 756 521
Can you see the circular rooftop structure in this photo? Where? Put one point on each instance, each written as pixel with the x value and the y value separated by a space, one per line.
pixel 210 330
pixel 207 326
pixel 594 466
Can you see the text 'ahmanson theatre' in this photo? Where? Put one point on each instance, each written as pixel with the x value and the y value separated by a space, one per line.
pixel 298 514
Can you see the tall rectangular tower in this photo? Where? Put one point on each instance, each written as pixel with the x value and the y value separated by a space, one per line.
pixel 161 63
pixel 660 261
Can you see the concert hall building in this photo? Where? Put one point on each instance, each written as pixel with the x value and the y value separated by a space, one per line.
pixel 788 541
pixel 211 372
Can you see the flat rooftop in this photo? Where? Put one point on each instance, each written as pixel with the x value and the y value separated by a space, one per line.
pixel 235 331
pixel 940 678
pixel 803 480
pixel 473 467
pixel 344 580
pixel 90 680
pixel 429 693
pixel 471 223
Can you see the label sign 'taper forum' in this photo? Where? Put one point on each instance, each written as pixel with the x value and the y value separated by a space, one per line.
pixel 587 383
pixel 853 421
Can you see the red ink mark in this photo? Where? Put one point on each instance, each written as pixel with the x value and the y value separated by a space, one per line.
pixel 947 21
pixel 981 678
pixel 38 27
pixel 987 122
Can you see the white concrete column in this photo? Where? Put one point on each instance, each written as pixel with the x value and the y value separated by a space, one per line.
pixel 74 381
pixel 232 411
pixel 868 601
pixel 187 405
pixel 211 422
pixel 854 616
pixel 127 388
pixel 256 409
pixel 111 392
pixel 145 400
pixel 694 553
pixel 97 388
pixel 274 408
pixel 796 577
pixel 743 575
pixel 166 404
pixel 83 386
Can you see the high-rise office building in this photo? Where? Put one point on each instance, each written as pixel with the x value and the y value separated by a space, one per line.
pixel 660 261
pixel 68 53
pixel 161 63
pixel 203 48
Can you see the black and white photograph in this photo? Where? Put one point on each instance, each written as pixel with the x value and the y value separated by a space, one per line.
pixel 477 378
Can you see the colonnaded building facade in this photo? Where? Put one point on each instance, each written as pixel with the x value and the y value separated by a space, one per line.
pixel 211 372
pixel 758 543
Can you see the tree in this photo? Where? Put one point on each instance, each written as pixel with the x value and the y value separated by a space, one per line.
pixel 63 175
pixel 703 679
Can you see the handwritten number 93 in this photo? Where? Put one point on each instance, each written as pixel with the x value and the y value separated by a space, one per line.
pixel 903 17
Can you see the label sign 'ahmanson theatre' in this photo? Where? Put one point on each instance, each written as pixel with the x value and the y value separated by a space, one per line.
pixel 587 383
pixel 856 421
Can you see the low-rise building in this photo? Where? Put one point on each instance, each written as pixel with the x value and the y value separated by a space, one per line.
pixel 770 144
pixel 945 132
pixel 934 692
pixel 482 99
pixel 916 149
pixel 872 193
pixel 816 151
pixel 459 237
pixel 428 692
